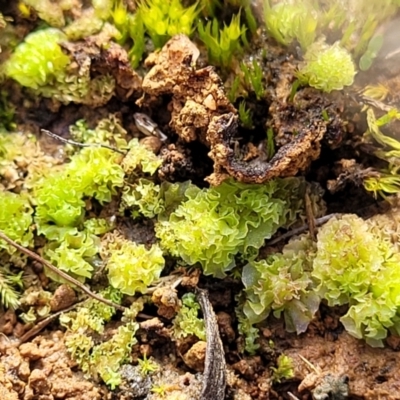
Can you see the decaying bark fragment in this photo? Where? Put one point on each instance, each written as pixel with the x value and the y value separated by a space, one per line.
pixel 200 110
pixel 289 159
pixel 197 95
pixel 214 377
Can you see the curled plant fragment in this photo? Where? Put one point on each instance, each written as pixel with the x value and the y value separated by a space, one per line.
pixel 390 145
pixel 132 267
pixel 384 183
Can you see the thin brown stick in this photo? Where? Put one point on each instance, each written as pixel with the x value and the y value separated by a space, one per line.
pixel 310 214
pixel 44 322
pixel 72 142
pixel 301 229
pixel 60 273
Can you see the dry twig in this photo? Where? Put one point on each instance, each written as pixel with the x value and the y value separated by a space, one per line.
pixel 73 143
pixel 60 273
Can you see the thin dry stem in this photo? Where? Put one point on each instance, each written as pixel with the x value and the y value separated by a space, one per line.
pixel 60 273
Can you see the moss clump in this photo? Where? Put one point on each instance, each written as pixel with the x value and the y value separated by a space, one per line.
pixel 38 60
pixel 140 158
pixel 212 226
pixel 187 321
pixel 102 359
pixel 288 21
pixel 131 267
pixel 357 267
pixel 282 284
pixel 15 220
pixel 223 43
pixel 142 198
pixel 93 172
pixel 327 67
pixel 164 19
pixel 354 262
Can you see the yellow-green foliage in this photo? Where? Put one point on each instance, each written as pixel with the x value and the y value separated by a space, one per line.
pixel 245 116
pixel 107 357
pixel 390 145
pixel 287 21
pixel 49 11
pixel 357 264
pixel 187 321
pixel 133 267
pixel 39 63
pixel 213 225
pixel 39 59
pixel 354 262
pixel 223 43
pixel 385 181
pixel 327 67
pixel 140 158
pixel 102 359
pixel 93 172
pixel 72 252
pixel 15 219
pixel 9 297
pixel 142 198
pixel 253 78
pixel 92 315
pixel 282 284
pixel 283 370
pixel 164 19
pixel 248 331
pixel 353 22
pixel 147 366
pixel 108 131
